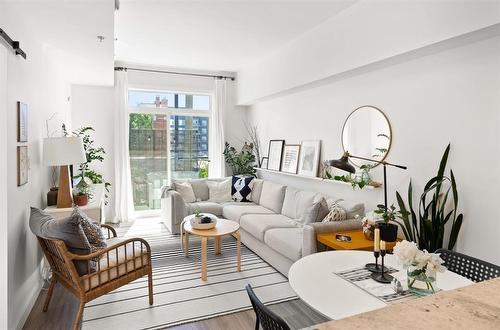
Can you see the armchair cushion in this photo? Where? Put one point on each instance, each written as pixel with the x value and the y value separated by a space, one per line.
pixel 91 229
pixel 121 261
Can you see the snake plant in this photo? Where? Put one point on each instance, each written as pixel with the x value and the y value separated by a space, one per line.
pixel 427 228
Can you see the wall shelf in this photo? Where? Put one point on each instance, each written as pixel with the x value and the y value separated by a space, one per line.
pixel 310 178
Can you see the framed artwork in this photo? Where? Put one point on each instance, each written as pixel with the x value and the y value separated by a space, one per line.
pixel 264 162
pixel 290 161
pixel 309 158
pixel 22 122
pixel 275 153
pixel 22 165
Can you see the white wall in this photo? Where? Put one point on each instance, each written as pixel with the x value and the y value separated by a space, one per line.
pixel 37 82
pixel 93 106
pixel 450 96
pixel 364 33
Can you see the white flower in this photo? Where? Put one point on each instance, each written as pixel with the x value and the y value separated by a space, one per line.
pixel 406 252
pixel 421 259
pixel 434 264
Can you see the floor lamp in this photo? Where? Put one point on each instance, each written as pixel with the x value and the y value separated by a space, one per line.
pixel 64 151
pixel 343 164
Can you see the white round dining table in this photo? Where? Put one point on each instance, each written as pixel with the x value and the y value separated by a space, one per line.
pixel 314 280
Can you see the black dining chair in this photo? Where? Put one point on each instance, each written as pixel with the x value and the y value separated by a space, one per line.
pixel 472 268
pixel 264 316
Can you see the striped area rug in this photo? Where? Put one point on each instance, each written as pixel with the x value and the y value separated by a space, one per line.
pixel 180 296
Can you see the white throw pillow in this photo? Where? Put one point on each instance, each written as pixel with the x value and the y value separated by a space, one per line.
pixel 219 192
pixel 186 191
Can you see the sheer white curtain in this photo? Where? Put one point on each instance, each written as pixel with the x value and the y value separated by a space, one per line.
pixel 217 167
pixel 124 203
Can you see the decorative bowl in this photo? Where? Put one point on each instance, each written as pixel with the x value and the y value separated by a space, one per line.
pixel 197 224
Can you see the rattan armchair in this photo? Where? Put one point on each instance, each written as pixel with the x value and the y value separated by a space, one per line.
pixel 121 262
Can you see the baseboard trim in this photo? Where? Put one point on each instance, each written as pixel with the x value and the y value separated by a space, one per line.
pixel 31 302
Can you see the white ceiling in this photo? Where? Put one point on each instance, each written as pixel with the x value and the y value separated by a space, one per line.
pixel 213 35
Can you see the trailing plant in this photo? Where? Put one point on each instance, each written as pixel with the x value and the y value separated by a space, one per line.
pixel 427 228
pixel 93 153
pixel 355 180
pixel 241 162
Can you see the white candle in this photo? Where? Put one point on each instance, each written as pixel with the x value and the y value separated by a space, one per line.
pixel 382 245
pixel 376 240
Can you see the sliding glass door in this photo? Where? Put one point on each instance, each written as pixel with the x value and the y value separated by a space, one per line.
pixel 168 139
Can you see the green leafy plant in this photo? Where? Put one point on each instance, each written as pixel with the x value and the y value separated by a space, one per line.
pixel 83 188
pixel 389 214
pixel 197 213
pixel 93 153
pixel 241 162
pixel 203 171
pixel 427 228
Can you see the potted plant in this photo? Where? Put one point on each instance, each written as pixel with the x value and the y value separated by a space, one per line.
pixel 388 230
pixel 82 193
pixel 242 162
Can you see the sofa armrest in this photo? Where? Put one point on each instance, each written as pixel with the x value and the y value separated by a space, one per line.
pixel 309 242
pixel 173 209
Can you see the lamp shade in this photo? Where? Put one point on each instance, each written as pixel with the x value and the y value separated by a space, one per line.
pixel 59 151
pixel 342 163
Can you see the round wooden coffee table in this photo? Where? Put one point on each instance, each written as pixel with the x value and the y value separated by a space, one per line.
pixel 222 228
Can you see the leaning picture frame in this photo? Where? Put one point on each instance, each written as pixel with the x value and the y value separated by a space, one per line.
pixel 290 162
pixel 264 162
pixel 275 154
pixel 309 158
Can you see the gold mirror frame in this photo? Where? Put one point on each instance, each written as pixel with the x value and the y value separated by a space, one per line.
pixel 390 134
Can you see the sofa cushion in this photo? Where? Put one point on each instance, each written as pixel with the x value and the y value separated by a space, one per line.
pixel 272 196
pixel 186 190
pixel 297 201
pixel 205 206
pixel 312 213
pixel 219 191
pixel 287 241
pixel 256 190
pixel 241 188
pixel 232 211
pixel 200 189
pixel 352 209
pixel 258 224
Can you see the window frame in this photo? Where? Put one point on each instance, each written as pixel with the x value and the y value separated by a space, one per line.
pixel 169 112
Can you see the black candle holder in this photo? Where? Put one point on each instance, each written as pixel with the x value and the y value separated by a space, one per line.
pixel 374 267
pixel 382 277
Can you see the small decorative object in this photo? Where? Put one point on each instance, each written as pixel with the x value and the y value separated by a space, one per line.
pixel 421 267
pixel 444 213
pixel 242 162
pixel 397 286
pixel 22 165
pixel 275 153
pixel 22 122
pixel 382 277
pixel 388 231
pixel 52 196
pixel 203 221
pixel 290 158
pixel 374 267
pixel 309 158
pixel 264 162
pixel 369 226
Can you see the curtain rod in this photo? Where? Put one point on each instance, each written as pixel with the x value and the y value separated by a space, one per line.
pixel 12 43
pixel 122 68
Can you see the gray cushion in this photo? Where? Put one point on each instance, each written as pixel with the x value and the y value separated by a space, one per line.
pixel 200 189
pixel 352 209
pixel 207 207
pixel 297 201
pixel 92 230
pixel 256 190
pixel 234 212
pixel 257 224
pixel 312 213
pixel 272 196
pixel 287 241
pixel 68 230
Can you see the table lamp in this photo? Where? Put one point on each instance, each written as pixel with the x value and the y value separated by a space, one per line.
pixel 63 151
pixel 343 164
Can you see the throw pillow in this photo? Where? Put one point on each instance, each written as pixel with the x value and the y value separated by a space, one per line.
pixel 186 191
pixel 311 213
pixel 67 230
pixel 91 229
pixel 219 192
pixel 241 188
pixel 337 213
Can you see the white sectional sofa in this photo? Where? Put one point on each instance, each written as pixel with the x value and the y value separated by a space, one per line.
pixel 280 224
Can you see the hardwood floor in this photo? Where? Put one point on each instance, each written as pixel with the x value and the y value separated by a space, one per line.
pixel 63 308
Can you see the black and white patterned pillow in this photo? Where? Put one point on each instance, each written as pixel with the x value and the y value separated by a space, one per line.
pixel 241 188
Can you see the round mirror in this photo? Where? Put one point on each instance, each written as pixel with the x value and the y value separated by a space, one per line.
pixel 367 133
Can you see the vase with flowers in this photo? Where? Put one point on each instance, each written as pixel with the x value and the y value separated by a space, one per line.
pixel 368 224
pixel 421 267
